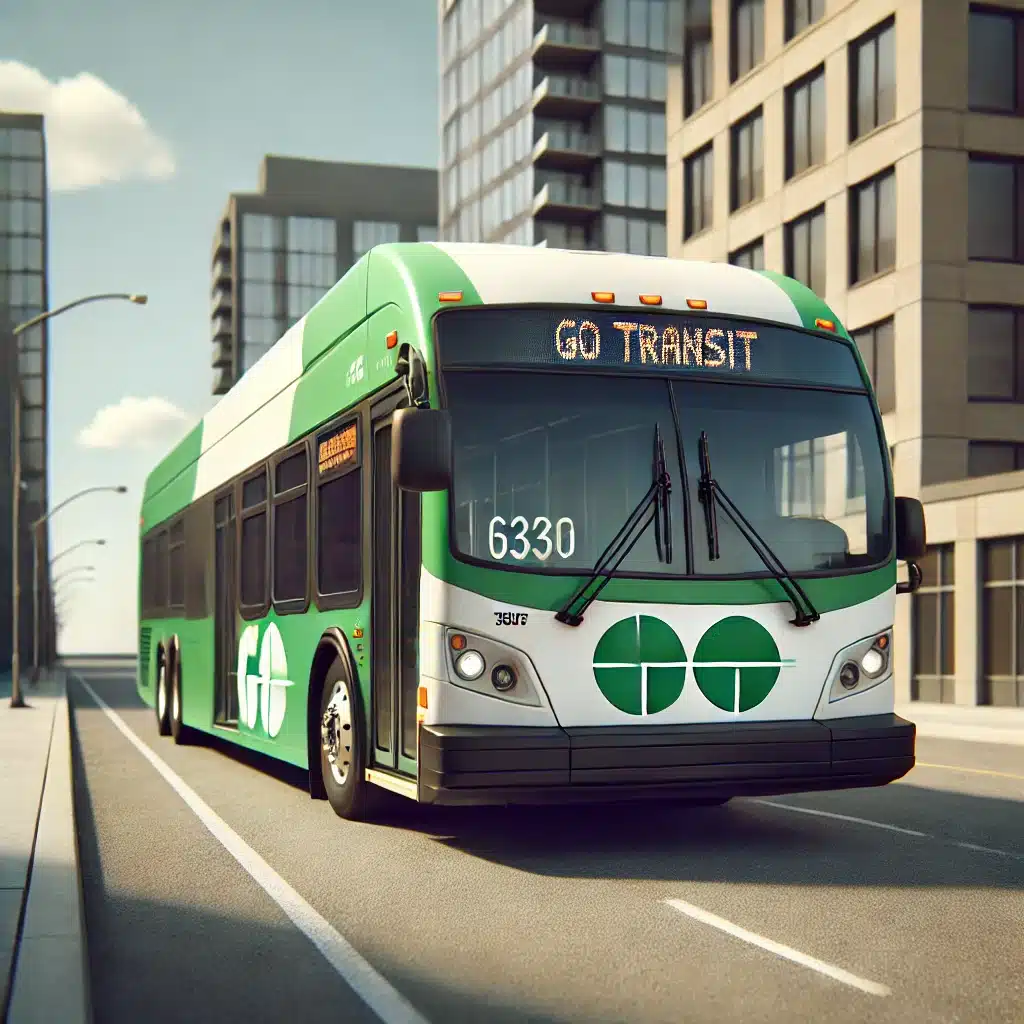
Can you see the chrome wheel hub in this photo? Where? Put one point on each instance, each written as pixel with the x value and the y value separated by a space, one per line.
pixel 336 734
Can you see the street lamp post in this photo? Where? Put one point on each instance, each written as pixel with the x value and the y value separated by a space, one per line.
pixel 74 547
pixel 37 555
pixel 71 572
pixel 17 700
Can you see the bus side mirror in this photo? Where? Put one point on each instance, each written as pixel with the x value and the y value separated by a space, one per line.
pixel 911 541
pixel 421 449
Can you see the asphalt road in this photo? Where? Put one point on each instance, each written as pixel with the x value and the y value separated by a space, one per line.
pixel 779 911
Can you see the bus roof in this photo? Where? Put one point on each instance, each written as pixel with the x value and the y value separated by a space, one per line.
pixel 257 411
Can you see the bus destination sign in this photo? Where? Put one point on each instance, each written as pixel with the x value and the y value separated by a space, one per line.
pixel 337 449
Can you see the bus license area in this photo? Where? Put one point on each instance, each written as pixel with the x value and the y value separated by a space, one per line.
pixel 709 348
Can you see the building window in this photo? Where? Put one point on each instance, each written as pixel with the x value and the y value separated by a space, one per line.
pixel 637 185
pixel 873 79
pixel 877 345
pixel 747 143
pixel 995 40
pixel 698 184
pixel 873 227
pixel 802 14
pixel 633 131
pixel 311 266
pixel 995 368
pixel 995 228
pixel 933 619
pixel 989 458
pixel 1002 614
pixel 805 123
pixel 750 256
pixel 805 249
pixel 698 65
pixel 426 233
pixel 368 233
pixel 746 37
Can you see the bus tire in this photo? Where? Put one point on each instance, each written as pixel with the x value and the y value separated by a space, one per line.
pixel 162 702
pixel 342 745
pixel 179 730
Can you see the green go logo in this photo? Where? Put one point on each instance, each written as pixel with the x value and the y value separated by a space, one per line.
pixel 640 664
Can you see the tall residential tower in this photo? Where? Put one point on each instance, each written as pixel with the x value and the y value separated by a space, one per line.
pixel 553 122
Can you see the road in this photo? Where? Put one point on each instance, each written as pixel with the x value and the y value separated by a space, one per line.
pixel 899 904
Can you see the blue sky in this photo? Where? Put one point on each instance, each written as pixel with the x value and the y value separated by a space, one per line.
pixel 216 86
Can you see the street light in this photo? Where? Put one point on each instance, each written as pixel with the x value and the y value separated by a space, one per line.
pixel 17 701
pixel 72 571
pixel 74 547
pixel 37 544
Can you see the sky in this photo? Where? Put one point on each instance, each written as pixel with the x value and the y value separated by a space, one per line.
pixel 155 113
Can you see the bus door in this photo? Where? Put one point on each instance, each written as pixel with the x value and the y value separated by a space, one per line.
pixel 394 602
pixel 225 640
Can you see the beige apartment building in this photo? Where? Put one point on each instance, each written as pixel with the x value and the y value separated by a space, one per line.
pixel 874 149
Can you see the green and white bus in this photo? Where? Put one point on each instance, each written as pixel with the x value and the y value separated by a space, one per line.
pixel 499 524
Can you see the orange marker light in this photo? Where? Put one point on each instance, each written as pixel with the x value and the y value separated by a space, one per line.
pixel 421 696
pixel 603 296
pixel 697 303
pixel 449 296
pixel 458 642
pixel 825 325
pixel 882 642
pixel 650 300
pixel 392 339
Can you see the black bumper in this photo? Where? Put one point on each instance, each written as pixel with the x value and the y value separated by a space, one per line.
pixel 470 764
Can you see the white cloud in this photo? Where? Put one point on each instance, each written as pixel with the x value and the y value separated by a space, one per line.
pixel 134 423
pixel 94 134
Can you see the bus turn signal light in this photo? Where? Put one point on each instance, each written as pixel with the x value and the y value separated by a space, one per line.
pixel 697 303
pixel 650 300
pixel 449 296
pixel 421 696
pixel 458 642
pixel 603 296
pixel 824 325
pixel 392 339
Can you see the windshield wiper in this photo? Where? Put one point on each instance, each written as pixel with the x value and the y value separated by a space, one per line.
pixel 710 491
pixel 656 503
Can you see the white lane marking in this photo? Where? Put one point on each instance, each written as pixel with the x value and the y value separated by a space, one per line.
pixel 845 817
pixel 889 828
pixel 786 952
pixel 375 990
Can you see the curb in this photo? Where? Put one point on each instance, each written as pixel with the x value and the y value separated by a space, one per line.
pixel 51 974
pixel 969 724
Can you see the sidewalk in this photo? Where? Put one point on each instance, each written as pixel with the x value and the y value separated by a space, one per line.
pixel 43 967
pixel 966 722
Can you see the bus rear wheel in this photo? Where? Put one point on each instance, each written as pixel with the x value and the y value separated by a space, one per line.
pixel 162 702
pixel 179 730
pixel 343 748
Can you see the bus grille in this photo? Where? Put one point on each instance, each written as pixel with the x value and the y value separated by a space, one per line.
pixel 144 642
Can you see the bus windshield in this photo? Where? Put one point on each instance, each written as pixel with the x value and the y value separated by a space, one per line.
pixel 548 466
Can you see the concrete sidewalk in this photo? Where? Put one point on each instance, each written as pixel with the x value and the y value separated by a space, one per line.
pixel 43 968
pixel 966 722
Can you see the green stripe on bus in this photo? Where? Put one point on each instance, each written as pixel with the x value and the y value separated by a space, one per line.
pixel 171 485
pixel 808 305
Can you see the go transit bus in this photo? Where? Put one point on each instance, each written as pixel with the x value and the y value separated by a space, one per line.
pixel 499 524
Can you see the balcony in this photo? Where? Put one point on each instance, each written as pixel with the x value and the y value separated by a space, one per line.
pixel 564 44
pixel 566 149
pixel 567 202
pixel 566 96
pixel 221 355
pixel 223 379
pixel 222 274
pixel 220 303
pixel 222 328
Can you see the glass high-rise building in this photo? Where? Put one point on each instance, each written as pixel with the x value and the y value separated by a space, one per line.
pixel 553 122
pixel 278 250
pixel 23 295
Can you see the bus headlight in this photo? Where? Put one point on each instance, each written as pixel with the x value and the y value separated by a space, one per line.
pixel 873 662
pixel 470 665
pixel 861 666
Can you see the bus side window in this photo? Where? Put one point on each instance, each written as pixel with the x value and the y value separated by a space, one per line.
pixel 339 553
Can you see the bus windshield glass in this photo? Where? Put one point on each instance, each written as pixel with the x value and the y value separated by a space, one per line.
pixel 549 463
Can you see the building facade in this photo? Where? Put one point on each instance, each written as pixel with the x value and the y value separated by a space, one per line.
pixel 553 122
pixel 874 149
pixel 23 295
pixel 278 250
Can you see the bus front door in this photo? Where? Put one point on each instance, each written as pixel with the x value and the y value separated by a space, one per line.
pixel 394 605
pixel 225 642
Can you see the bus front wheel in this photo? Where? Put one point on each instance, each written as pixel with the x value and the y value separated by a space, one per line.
pixel 343 747
pixel 178 729
pixel 162 702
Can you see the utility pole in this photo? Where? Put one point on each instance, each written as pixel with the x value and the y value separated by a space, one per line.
pixel 17 701
pixel 36 606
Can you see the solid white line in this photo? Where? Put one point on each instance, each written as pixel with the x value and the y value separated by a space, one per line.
pixel 786 952
pixel 378 993
pixel 845 817
pixel 989 849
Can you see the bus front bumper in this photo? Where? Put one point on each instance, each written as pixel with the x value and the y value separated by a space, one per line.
pixel 467 764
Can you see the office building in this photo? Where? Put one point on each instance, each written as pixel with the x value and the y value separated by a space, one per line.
pixel 23 294
pixel 871 148
pixel 553 122
pixel 278 250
